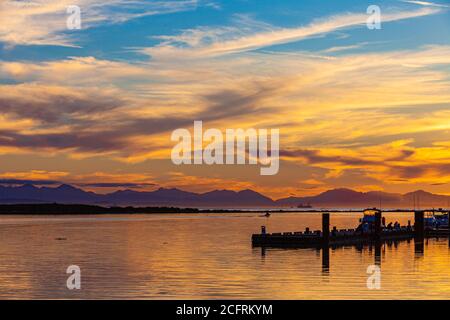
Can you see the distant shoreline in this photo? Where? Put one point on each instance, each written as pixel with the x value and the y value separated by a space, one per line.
pixel 82 209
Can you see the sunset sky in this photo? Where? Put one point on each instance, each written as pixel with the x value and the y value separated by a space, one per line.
pixel 356 108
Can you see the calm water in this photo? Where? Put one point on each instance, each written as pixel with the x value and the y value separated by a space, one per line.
pixel 204 256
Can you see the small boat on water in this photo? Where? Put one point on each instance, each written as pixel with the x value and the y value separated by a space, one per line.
pixel 369 215
pixel 436 219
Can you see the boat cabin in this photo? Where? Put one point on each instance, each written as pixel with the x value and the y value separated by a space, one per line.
pixel 369 216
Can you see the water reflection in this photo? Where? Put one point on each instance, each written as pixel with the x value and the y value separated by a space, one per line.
pixel 378 249
pixel 418 248
pixel 326 260
pixel 207 256
pixel 378 253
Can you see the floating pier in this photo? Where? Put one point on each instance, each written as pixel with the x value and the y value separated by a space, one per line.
pixel 326 238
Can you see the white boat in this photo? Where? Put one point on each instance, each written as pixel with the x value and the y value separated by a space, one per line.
pixel 436 219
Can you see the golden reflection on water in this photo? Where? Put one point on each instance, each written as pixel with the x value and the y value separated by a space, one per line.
pixel 201 256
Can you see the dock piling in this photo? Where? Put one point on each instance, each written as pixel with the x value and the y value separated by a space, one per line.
pixel 419 224
pixel 378 224
pixel 326 228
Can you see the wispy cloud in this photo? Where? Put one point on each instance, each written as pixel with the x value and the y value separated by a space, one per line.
pixel 43 22
pixel 115 185
pixel 426 3
pixel 345 48
pixel 22 181
pixel 248 35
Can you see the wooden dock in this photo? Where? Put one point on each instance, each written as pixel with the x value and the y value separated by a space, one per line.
pixel 326 238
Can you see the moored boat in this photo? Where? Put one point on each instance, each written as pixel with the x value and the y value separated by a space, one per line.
pixel 436 219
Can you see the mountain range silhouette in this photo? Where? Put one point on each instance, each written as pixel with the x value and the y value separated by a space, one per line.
pixel 335 198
